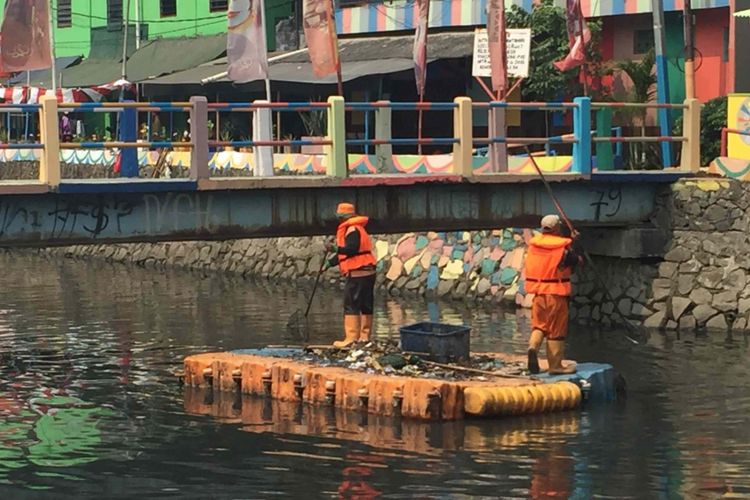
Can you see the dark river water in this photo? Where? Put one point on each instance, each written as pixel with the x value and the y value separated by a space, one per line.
pixel 89 407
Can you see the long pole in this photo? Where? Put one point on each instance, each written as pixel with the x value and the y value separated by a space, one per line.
pixel 687 17
pixel 126 22
pixel 584 72
pixel 137 24
pixel 265 34
pixel 662 84
pixel 589 260
pixel 53 68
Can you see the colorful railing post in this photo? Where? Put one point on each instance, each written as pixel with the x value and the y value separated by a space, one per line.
pixel 383 152
pixel 604 158
pixel 690 160
pixel 337 163
pixel 498 150
pixel 262 131
pixel 199 138
pixel 462 132
pixel 49 163
pixel 128 133
pixel 582 132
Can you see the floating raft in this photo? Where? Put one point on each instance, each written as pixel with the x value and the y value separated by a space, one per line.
pixel 270 373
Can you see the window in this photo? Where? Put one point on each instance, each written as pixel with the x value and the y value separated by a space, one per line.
pixel 114 15
pixel 167 8
pixel 643 41
pixel 218 5
pixel 64 14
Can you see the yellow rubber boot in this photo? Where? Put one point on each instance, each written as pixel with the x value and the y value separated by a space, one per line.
pixel 535 342
pixel 351 331
pixel 365 327
pixel 555 356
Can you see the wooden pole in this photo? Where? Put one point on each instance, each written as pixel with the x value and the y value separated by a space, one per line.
pixel 687 15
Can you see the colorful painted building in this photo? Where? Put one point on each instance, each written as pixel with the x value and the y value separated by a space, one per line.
pixel 74 20
pixel 627 32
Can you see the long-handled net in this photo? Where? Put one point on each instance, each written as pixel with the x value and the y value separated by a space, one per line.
pixel 297 326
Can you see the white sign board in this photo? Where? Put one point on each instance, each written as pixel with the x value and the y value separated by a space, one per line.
pixel 517 47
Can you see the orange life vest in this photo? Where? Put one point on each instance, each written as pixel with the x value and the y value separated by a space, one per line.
pixel 543 276
pixel 364 256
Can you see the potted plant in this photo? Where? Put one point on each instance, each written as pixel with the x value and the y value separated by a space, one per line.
pixel 315 127
pixel 226 136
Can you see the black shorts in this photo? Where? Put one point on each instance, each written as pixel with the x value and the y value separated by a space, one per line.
pixel 359 295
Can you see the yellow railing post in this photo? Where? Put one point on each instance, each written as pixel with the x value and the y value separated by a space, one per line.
pixel 462 131
pixel 337 164
pixel 49 163
pixel 690 160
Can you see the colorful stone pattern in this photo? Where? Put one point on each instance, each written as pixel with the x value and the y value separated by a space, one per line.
pixel 481 264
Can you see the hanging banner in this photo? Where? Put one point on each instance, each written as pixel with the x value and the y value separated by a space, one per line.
pixel 496 39
pixel 578 36
pixel 420 45
pixel 517 53
pixel 25 40
pixel 246 41
pixel 320 33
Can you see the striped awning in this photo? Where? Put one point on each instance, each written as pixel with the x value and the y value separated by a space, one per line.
pixel 742 13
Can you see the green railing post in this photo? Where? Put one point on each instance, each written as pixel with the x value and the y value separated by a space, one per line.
pixel 604 157
pixel 337 163
pixel 49 163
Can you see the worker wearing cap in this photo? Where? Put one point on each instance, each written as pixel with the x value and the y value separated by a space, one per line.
pixel 353 255
pixel 550 261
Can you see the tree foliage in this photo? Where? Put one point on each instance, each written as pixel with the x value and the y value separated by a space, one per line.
pixel 549 43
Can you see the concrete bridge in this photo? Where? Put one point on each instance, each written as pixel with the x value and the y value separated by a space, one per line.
pixel 53 211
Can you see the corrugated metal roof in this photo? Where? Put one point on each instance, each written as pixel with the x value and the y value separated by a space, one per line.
pixel 359 57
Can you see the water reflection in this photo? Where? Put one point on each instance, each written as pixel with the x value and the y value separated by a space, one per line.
pixel 88 403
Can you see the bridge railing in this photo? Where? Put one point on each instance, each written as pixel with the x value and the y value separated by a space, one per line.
pixel 689 138
pixel 335 142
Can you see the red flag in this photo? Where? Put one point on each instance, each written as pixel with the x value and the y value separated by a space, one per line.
pixel 578 37
pixel 25 41
pixel 246 41
pixel 420 45
pixel 496 44
pixel 320 33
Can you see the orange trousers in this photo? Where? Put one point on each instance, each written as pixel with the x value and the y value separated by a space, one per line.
pixel 549 313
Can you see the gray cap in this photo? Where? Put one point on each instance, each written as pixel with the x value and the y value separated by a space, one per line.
pixel 550 221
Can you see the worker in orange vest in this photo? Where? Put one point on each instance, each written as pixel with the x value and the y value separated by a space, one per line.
pixel 353 254
pixel 550 261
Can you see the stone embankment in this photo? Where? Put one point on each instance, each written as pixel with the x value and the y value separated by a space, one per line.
pixel 700 282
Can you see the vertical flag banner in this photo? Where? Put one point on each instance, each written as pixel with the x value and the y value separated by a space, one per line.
pixel 496 42
pixel 578 36
pixel 246 41
pixel 420 45
pixel 320 33
pixel 25 40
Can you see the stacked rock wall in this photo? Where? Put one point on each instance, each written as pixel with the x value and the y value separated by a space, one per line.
pixel 701 282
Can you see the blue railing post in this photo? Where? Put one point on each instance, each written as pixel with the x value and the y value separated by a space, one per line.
pixel 128 133
pixel 582 132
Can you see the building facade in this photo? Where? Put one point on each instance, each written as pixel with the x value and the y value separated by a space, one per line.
pixel 74 20
pixel 627 32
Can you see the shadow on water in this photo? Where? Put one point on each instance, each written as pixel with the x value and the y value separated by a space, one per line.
pixel 89 408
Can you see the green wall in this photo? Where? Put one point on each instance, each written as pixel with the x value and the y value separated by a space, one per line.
pixel 193 18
